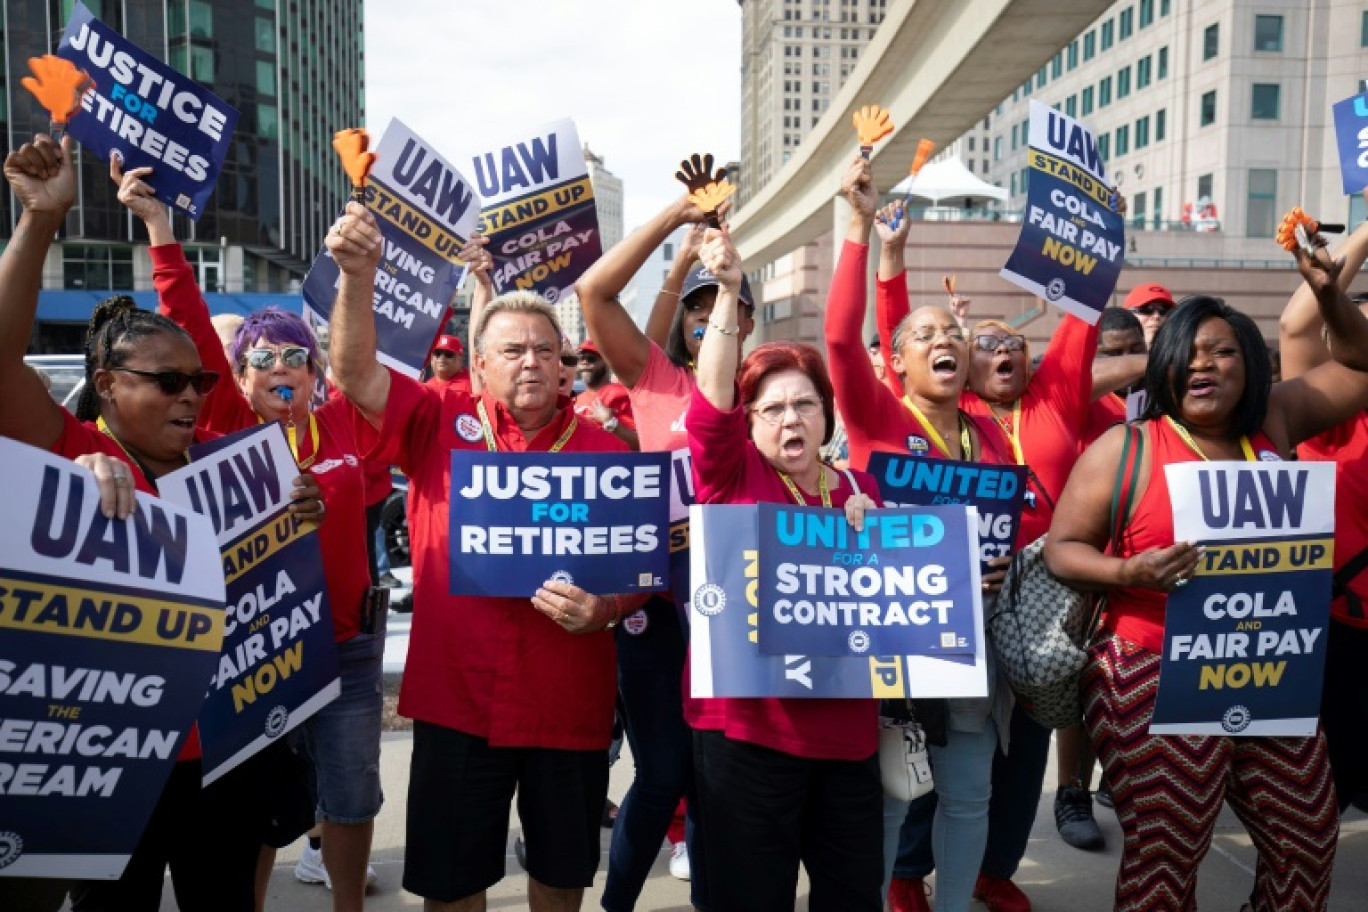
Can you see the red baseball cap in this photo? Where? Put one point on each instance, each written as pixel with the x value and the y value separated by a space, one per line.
pixel 1148 293
pixel 449 343
pixel 588 346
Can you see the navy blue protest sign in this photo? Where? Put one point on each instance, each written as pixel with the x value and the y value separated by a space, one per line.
pixel 148 114
pixel 1245 639
pixel 681 498
pixel 426 210
pixel 108 631
pixel 1072 245
pixel 278 665
pixel 997 491
pixel 539 212
pixel 725 657
pixel 1351 136
pixel 904 585
pixel 597 520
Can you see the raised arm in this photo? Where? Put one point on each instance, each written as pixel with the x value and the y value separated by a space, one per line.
pixel 355 243
pixel 475 254
pixel 622 344
pixel 41 176
pixel 1112 374
pixel 1299 330
pixel 719 356
pixel 1333 392
pixel 667 299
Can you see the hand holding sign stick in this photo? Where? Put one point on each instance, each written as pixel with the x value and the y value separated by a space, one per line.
pixel 59 87
pixel 872 123
pixel 352 146
pixel 706 189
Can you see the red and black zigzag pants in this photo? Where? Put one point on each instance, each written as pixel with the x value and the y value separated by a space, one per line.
pixel 1168 791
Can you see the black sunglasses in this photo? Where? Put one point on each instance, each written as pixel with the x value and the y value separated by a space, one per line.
pixel 442 353
pixel 173 383
pixel 1151 310
pixel 569 360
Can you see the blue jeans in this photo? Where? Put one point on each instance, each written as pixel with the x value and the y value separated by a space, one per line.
pixel 964 783
pixel 650 674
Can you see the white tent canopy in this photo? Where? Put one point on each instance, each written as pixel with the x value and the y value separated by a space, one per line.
pixel 948 180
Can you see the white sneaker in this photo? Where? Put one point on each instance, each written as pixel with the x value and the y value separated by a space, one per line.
pixel 679 861
pixel 310 869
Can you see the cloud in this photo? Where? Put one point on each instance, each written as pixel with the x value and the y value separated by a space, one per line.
pixel 646 81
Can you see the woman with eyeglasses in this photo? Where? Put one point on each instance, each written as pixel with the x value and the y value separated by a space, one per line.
pixel 274 362
pixel 781 781
pixel 924 419
pixel 1211 397
pixel 138 415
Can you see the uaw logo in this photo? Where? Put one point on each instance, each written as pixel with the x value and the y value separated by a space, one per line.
pixel 917 446
pixel 276 720
pixel 468 428
pixel 709 599
pixel 1055 290
pixel 636 622
pixel 1236 719
pixel 858 641
pixel 11 847
pixel 562 576
pixel 1269 456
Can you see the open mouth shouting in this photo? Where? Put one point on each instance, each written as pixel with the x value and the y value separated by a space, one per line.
pixel 1201 387
pixel 945 366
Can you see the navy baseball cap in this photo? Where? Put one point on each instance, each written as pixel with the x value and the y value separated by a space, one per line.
pixel 700 277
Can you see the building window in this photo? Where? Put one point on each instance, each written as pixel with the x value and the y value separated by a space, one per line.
pixel 1146 12
pixel 1090 46
pixel 997 148
pixel 1205 185
pixel 265 36
pixel 1363 30
pixel 1163 63
pixel 1041 78
pixel 1158 207
pixel 1104 146
pixel 1014 137
pixel 1211 41
pixel 971 144
pixel 1264 103
pixel 1108 34
pixel 1160 123
pixel 1123 77
pixel 1073 54
pixel 1071 106
pixel 1163 7
pixel 1104 92
pixel 1122 140
pixel 1142 133
pixel 1209 108
pixel 1087 101
pixel 207 262
pixel 1014 193
pixel 1127 22
pixel 265 78
pixel 1268 33
pixel 1137 209
pixel 97 267
pixel 1143 69
pixel 1261 207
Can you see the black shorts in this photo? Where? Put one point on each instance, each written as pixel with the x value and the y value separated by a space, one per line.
pixel 460 791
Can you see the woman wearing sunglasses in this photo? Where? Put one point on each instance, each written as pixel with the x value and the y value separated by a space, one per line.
pixel 145 388
pixel 275 361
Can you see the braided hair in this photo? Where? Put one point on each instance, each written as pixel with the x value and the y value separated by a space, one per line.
pixel 116 325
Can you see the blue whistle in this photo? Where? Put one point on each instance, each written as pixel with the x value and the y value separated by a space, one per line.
pixel 699 333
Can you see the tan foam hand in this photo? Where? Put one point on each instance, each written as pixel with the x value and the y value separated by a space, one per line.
pixel 58 85
pixel 707 190
pixel 872 123
pixel 351 146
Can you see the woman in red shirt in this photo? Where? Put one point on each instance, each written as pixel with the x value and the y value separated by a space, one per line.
pixel 1211 397
pixel 780 781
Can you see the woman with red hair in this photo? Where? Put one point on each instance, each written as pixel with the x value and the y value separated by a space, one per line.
pixel 780 781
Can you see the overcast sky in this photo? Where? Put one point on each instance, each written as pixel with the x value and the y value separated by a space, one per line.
pixel 646 81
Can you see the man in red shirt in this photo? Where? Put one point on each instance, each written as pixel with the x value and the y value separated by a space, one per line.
pixel 448 364
pixel 604 401
pixel 506 694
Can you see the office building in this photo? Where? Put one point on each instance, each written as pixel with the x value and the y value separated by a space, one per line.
pixel 607 198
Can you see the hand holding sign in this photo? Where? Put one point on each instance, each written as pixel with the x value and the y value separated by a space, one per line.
pixel 1164 569
pixel 872 123
pixel 58 85
pixel 307 499
pixel 115 484
pixel 707 190
pixel 478 260
pixel 136 194
pixel 351 146
pixel 355 241
pixel 574 609
pixel 41 176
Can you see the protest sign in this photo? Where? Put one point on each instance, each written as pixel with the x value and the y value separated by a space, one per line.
pixel 426 210
pixel 1245 639
pixel 1072 245
pixel 598 520
pixel 539 212
pixel 681 498
pixel 108 631
pixel 1351 136
pixel 725 658
pixel 997 491
pixel 279 659
pixel 148 114
pixel 905 585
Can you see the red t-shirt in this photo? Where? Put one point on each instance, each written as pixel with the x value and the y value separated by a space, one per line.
pixel 460 383
pixel 336 463
pixel 615 398
pixel 1137 615
pixel 78 439
pixel 1103 415
pixel 728 469
pixel 1347 445
pixel 495 668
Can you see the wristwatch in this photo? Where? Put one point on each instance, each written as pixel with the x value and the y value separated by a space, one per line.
pixel 611 424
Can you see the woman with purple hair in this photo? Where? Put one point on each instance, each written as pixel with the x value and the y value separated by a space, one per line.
pixel 275 360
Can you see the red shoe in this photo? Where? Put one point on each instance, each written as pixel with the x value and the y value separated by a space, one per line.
pixel 907 896
pixel 1001 895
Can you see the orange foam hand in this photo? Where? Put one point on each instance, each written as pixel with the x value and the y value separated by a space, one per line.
pixel 351 146
pixel 948 283
pixel 58 85
pixel 872 123
pixel 1286 235
pixel 924 149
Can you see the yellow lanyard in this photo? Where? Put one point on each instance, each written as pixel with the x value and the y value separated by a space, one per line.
pixel 798 495
pixel 294 443
pixel 104 429
pixel 966 445
pixel 1012 431
pixel 492 445
pixel 1192 444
